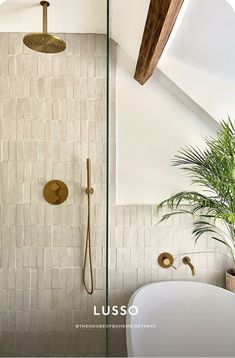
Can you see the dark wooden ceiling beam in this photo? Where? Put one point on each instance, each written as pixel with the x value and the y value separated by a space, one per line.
pixel 160 21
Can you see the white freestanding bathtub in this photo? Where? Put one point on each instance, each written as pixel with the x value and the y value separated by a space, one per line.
pixel 188 319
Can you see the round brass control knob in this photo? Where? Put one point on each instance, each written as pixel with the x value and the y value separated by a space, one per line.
pixel 55 192
pixel 166 262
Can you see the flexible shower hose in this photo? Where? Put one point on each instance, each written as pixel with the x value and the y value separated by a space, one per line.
pixel 88 255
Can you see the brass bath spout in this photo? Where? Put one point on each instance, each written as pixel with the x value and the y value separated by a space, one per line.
pixel 187 261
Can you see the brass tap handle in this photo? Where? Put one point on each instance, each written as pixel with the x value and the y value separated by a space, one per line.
pixel 166 260
pixel 187 261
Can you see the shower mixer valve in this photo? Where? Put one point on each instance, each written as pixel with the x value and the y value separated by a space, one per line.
pixel 55 192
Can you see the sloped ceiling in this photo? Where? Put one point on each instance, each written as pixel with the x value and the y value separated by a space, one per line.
pixel 206 37
pixel 200 55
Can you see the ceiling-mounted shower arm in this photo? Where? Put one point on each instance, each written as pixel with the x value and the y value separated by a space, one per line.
pixel 45 5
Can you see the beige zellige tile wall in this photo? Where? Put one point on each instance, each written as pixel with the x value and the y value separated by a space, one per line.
pixel 52 112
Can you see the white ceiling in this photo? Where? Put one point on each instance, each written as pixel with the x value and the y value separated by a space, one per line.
pixel 200 55
pixel 206 38
pixel 67 16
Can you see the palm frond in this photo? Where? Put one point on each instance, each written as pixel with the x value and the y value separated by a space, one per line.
pixel 213 170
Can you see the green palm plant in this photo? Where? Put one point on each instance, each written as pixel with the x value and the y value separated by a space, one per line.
pixel 213 171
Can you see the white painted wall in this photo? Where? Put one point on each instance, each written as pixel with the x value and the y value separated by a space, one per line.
pixel 127 24
pixel 176 109
pixel 152 124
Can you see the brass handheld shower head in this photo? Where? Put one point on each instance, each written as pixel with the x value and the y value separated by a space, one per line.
pixel 44 42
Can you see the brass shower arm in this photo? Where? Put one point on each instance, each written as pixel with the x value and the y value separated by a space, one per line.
pixel 45 5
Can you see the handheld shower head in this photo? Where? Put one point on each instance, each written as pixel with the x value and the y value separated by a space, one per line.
pixel 44 42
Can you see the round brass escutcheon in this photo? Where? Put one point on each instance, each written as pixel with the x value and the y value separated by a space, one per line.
pixel 165 260
pixel 55 192
pixel 45 3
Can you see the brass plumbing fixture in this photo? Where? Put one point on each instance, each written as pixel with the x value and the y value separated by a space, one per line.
pixel 166 260
pixel 55 192
pixel 187 261
pixel 88 256
pixel 44 42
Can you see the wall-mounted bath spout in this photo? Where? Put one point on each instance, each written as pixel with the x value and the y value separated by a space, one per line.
pixel 187 261
pixel 88 256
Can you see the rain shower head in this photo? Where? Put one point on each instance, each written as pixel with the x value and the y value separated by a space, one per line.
pixel 44 42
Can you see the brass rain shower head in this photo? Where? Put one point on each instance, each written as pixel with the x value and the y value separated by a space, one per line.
pixel 44 42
